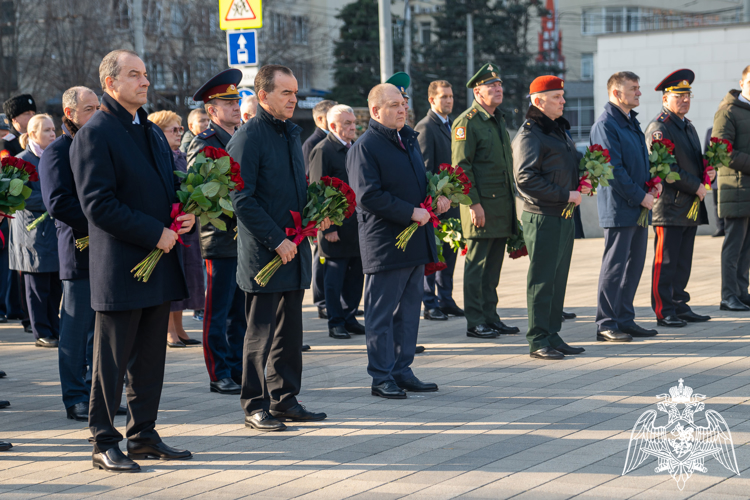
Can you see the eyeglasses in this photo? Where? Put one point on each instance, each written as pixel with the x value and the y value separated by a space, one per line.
pixel 682 95
pixel 175 130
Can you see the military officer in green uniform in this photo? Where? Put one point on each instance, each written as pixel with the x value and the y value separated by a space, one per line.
pixel 545 163
pixel 481 146
pixel 402 81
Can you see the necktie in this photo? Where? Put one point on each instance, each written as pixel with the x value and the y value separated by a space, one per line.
pixel 400 143
pixel 448 126
pixel 348 146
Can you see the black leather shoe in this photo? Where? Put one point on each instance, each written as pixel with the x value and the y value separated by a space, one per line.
pixel 79 411
pixel 355 328
pixel 504 329
pixel 453 311
pixel 5 446
pixel 638 331
pixel 359 312
pixel 189 341
pixel 435 315
pixel 4 404
pixel 671 322
pixel 691 317
pixel 2 374
pixel 305 347
pixel 159 451
pixel 415 385
pixel 297 413
pixel 113 460
pixel 547 353
pixel 482 332
pixel 569 349
pixel 567 315
pixel 122 410
pixel 225 386
pixel 3 318
pixel 338 332
pixel 613 336
pixel 388 390
pixel 179 343
pixel 263 421
pixel 322 314
pixel 419 349
pixel 46 342
pixel 733 304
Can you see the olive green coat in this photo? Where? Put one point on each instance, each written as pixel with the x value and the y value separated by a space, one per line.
pixel 481 146
pixel 732 122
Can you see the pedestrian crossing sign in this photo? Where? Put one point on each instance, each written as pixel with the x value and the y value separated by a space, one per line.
pixel 240 14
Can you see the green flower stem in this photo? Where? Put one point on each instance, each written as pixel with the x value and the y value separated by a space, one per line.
pixel 37 221
pixel 82 243
pixel 643 218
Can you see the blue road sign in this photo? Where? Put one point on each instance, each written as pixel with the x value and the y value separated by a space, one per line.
pixel 242 49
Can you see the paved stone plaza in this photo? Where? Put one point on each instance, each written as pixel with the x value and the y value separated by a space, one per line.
pixel 501 426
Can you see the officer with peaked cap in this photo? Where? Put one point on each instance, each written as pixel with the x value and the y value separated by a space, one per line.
pixel 222 339
pixel 675 231
pixel 481 146
pixel 402 81
pixel 18 111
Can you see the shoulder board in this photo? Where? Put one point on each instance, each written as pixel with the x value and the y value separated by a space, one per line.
pixel 9 137
pixel 527 124
pixel 206 133
pixel 664 116
pixel 471 114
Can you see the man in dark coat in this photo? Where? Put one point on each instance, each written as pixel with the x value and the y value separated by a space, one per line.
pixel 618 131
pixel 269 152
pixel 339 244
pixel 674 230
pixel 224 322
pixel 75 349
pixel 18 111
pixel 435 143
pixel 318 269
pixel 387 174
pixel 123 169
pixel 197 122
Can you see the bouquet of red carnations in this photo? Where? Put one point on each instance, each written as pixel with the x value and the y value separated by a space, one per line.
pixel 516 244
pixel 14 192
pixel 204 192
pixel 329 197
pixel 448 231
pixel 596 171
pixel 451 182
pixel 661 160
pixel 718 154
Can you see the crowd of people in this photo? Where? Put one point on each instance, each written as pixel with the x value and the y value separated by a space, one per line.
pixel 110 177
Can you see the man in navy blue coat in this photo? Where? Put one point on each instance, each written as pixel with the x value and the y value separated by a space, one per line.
pixel 123 170
pixel 618 130
pixel 387 173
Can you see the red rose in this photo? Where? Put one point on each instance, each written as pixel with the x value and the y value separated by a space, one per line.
pixel 595 147
pixel 606 155
pixel 464 179
pixel 446 166
pixel 325 180
pixel 515 254
pixel 336 183
pixel 214 153
pixel 458 170
pixel 433 267
pixel 463 250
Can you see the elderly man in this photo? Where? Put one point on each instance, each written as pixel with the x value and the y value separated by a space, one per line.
pixel 249 107
pixel 123 171
pixel 481 146
pixel 339 245
pixel 269 152
pixel 674 230
pixel 387 174
pixel 224 321
pixel 197 122
pixel 618 130
pixel 545 163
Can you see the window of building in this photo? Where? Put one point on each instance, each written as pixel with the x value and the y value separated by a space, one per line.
pixel 614 20
pixel 587 66
pixel 425 30
pixel 580 114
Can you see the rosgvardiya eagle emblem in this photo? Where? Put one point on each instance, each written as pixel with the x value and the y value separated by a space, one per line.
pixel 681 446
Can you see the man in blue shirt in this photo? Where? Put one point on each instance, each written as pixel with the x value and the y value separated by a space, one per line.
pixel 618 130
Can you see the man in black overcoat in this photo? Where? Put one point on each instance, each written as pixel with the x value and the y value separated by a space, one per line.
pixel 339 244
pixel 270 156
pixel 387 174
pixel 123 170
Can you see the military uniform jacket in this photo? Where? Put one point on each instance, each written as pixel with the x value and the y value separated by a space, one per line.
pixel 672 207
pixel 215 243
pixel 10 145
pixel 481 146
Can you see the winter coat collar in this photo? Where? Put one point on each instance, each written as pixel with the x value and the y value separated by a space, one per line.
pixel 406 133
pixel 280 126
pixel 620 117
pixel 545 122
pixel 111 106
pixel 733 99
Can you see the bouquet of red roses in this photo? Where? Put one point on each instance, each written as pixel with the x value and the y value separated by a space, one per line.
pixel 14 192
pixel 596 171
pixel 448 231
pixel 516 245
pixel 204 192
pixel 718 154
pixel 661 160
pixel 451 182
pixel 329 197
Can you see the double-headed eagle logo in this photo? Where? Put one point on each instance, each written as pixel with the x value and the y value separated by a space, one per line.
pixel 681 446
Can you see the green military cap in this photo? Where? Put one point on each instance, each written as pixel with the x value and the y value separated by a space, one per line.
pixel 402 81
pixel 486 74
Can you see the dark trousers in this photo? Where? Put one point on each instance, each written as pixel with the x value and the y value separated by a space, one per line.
pixel 75 351
pixel 673 260
pixel 10 297
pixel 43 296
pixel 715 204
pixel 444 282
pixel 272 369
pixel 484 260
pixel 318 279
pixel 392 304
pixel 622 266
pixel 131 343
pixel 549 240
pixel 735 258
pixel 224 321
pixel 343 285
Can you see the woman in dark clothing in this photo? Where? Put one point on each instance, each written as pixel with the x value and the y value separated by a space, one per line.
pixel 34 252
pixel 171 124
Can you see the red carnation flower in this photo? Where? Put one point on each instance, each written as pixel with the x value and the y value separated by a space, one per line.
pixel 463 250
